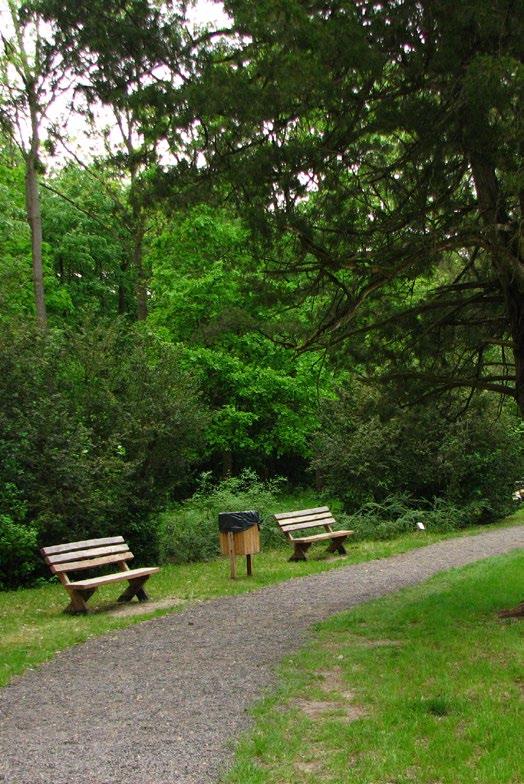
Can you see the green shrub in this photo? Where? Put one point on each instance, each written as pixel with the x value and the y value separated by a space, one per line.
pixel 397 515
pixel 368 452
pixel 189 531
pixel 98 429
pixel 18 553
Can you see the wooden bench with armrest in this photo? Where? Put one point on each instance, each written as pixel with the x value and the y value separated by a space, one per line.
pixel 76 556
pixel 305 519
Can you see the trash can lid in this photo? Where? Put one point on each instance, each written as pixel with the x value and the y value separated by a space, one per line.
pixel 237 521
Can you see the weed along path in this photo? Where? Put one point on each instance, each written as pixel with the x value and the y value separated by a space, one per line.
pixel 162 702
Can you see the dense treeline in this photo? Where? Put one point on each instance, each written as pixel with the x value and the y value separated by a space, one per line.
pixel 292 249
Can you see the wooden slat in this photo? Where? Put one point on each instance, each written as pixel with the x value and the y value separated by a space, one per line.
pixel 94 582
pixel 315 519
pixel 314 524
pixel 81 554
pixel 74 566
pixel 320 537
pixel 64 548
pixel 301 512
pixel 304 518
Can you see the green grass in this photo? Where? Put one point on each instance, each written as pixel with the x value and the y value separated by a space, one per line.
pixel 423 687
pixel 34 627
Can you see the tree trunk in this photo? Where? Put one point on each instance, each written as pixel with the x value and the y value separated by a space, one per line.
pixel 505 246
pixel 34 215
pixel 515 300
pixel 227 463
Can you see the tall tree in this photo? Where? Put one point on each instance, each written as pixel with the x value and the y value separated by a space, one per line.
pixel 137 59
pixel 124 52
pixel 87 243
pixel 31 77
pixel 131 158
pixel 122 166
pixel 387 140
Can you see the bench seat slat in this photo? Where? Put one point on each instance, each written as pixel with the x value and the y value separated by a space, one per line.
pixel 312 524
pixel 302 512
pixel 75 566
pixel 65 548
pixel 321 537
pixel 86 554
pixel 129 574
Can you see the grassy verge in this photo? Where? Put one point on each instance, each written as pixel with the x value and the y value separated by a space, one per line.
pixel 425 686
pixel 34 627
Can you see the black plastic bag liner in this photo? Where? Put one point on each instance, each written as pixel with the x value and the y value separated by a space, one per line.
pixel 237 521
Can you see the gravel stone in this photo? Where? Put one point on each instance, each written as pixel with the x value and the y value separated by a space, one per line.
pixel 163 702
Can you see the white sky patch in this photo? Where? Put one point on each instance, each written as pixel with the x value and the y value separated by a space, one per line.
pixel 82 142
pixel 205 13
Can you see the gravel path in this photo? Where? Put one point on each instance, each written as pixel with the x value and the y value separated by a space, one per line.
pixel 160 702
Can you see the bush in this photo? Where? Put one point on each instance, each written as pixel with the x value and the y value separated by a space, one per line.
pixel 369 453
pixel 18 551
pixel 398 515
pixel 97 430
pixel 189 531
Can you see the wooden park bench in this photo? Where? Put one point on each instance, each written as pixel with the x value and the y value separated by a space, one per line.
pixel 76 556
pixel 305 519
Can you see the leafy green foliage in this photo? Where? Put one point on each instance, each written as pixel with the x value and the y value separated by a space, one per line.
pixel 85 243
pixel 208 293
pixel 361 165
pixel 17 553
pixel 16 297
pixel 399 514
pixel 97 429
pixel 189 531
pixel 368 450
pixel 386 141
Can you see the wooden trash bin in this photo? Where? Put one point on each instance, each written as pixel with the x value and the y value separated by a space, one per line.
pixel 245 541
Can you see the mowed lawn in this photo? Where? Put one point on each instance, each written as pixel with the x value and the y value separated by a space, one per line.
pixel 423 687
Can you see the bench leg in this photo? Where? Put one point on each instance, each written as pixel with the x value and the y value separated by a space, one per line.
pixel 78 603
pixel 135 589
pixel 299 553
pixel 337 545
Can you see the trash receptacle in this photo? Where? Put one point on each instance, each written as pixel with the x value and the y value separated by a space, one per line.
pixel 239 534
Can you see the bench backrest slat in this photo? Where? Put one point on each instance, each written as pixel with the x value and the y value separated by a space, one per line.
pixel 74 556
pixel 314 524
pixel 319 517
pixel 302 512
pixel 303 519
pixel 66 548
pixel 79 555
pixel 89 563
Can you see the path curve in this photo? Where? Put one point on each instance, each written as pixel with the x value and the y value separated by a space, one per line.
pixel 160 702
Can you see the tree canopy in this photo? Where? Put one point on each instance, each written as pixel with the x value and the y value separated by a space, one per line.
pixel 387 140
pixel 292 244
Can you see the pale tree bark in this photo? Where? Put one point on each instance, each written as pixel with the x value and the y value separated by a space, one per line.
pixel 24 105
pixel 34 214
